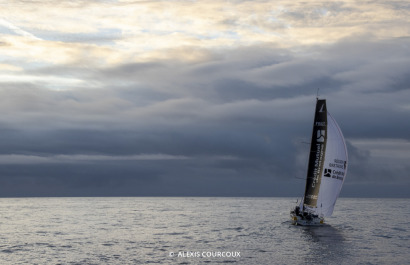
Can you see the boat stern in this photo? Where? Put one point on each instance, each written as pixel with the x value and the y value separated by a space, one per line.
pixel 306 221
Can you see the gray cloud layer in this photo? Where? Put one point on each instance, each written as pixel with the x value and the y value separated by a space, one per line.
pixel 231 124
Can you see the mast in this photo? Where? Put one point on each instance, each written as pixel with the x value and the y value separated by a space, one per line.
pixel 317 155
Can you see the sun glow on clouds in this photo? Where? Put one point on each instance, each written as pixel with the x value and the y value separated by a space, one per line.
pixel 61 33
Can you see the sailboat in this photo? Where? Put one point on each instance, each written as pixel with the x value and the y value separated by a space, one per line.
pixel 326 170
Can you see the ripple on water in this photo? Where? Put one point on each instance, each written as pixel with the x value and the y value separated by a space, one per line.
pixel 146 230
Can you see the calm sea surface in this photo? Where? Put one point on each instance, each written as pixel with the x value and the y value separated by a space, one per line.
pixel 199 231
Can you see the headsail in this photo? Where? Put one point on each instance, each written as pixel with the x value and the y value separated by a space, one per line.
pixel 335 168
pixel 327 163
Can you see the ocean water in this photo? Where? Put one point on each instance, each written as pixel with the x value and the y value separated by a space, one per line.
pixel 199 231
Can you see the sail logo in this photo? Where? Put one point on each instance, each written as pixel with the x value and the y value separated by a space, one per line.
pixel 328 172
pixel 321 108
pixel 334 174
pixel 320 136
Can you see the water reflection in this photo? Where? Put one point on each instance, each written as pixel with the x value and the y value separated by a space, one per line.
pixel 325 243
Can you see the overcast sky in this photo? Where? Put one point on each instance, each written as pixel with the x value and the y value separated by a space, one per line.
pixel 199 98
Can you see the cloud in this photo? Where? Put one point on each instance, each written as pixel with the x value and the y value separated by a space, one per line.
pixel 80 158
pixel 198 98
pixel 382 159
pixel 140 30
pixel 16 30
